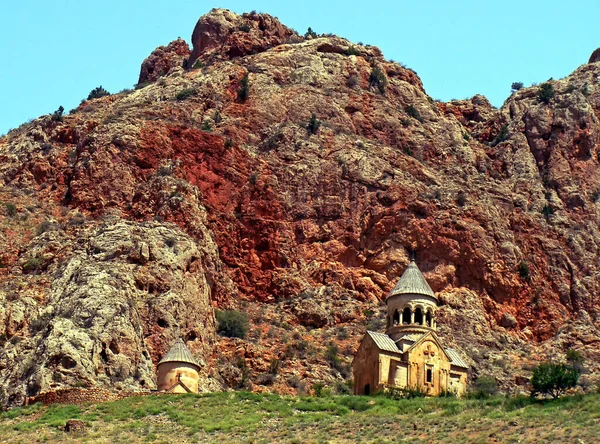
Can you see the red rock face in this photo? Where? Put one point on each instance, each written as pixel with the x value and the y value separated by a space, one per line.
pixel 227 35
pixel 163 59
pixel 314 224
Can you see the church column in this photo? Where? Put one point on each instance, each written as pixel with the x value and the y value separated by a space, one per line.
pixel 412 316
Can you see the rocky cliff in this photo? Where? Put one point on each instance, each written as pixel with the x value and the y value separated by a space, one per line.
pixel 291 177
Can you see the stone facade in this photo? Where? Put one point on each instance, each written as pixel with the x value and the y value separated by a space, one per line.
pixel 409 354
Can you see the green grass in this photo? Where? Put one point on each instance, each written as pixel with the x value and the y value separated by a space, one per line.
pixel 249 417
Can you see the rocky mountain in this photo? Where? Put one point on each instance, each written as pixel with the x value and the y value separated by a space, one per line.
pixel 291 177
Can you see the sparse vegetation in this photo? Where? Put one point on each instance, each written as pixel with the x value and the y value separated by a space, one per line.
pixel 310 33
pixel 378 79
pixel 245 27
pixel 232 323
pixel 414 113
pixel 206 126
pixel 524 271
pixel 501 137
pixel 352 81
pixel 228 143
pixel 483 387
pixel 545 92
pixel 33 264
pixel 11 209
pixel 461 198
pixel 244 88
pixel 352 50
pixel 57 116
pixel 97 92
pixel 186 93
pixel 516 86
pixel 314 124
pixel 198 64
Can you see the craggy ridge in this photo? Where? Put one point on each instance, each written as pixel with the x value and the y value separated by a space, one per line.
pixel 140 212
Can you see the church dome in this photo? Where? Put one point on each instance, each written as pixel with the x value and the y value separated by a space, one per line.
pixel 179 353
pixel 412 282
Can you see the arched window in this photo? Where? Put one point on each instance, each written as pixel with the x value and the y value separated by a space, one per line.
pixel 428 319
pixel 396 319
pixel 419 316
pixel 406 316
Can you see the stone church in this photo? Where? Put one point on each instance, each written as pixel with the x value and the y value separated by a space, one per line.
pixel 409 354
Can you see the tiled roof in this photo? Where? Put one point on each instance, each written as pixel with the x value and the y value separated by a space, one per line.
pixel 383 342
pixel 179 353
pixel 412 282
pixel 456 359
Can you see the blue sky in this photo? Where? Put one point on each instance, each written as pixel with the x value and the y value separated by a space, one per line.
pixel 54 53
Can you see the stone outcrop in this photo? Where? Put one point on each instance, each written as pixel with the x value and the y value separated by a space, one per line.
pixel 595 57
pixel 163 60
pixel 305 228
pixel 224 34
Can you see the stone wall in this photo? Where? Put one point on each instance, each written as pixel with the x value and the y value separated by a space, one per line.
pixel 82 396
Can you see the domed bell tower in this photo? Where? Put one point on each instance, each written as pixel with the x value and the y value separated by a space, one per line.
pixel 411 306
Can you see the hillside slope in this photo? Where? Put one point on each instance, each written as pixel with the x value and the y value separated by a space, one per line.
pixel 213 186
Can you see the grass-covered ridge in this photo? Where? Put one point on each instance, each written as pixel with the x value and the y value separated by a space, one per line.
pixel 249 417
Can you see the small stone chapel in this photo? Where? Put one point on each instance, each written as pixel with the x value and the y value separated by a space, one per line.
pixel 409 354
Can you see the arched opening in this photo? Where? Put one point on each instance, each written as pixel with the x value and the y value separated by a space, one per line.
pixel 406 316
pixel 367 389
pixel 396 318
pixel 419 316
pixel 428 319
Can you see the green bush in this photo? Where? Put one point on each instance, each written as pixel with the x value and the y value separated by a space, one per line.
pixel 245 27
pixel 11 209
pixel 97 92
pixel 185 93
pixel 516 86
pixel 414 113
pixel 377 79
pixel 232 324
pixel 57 116
pixel 244 88
pixel 553 379
pixel 352 50
pixel 502 136
pixel 483 387
pixel 198 64
pixel 33 264
pixel 524 271
pixel 313 124
pixel 545 92
pixel 310 33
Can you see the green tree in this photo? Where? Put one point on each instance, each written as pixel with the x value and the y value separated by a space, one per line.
pixel 97 92
pixel 545 92
pixel 57 116
pixel 244 88
pixel 378 79
pixel 232 324
pixel 553 379
pixel 516 86
pixel 310 33
pixel 313 124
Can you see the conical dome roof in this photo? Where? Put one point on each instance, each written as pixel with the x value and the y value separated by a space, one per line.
pixel 179 353
pixel 412 282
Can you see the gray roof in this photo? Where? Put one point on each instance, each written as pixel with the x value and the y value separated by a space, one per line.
pixel 383 342
pixel 179 353
pixel 456 359
pixel 409 338
pixel 412 282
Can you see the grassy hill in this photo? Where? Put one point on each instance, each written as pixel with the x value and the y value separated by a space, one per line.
pixel 248 417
